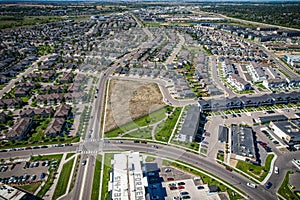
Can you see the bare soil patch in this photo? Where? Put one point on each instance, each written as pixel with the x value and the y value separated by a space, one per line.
pixel 130 100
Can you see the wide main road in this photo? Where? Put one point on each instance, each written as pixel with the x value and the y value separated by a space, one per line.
pixel 163 151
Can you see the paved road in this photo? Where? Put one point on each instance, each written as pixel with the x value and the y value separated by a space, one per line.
pixel 215 76
pixel 207 164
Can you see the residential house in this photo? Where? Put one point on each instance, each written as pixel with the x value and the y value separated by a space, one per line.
pixel 293 82
pixel 55 127
pixel 10 103
pixel 257 72
pixel 75 97
pixel 274 83
pixel 238 82
pixel 63 111
pixel 49 99
pixel 41 112
pixel 19 130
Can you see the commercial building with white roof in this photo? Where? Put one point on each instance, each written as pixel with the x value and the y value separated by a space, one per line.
pixel 126 179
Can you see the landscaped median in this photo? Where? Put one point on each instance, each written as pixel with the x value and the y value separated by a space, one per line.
pixel 63 180
pixel 106 176
pixel 96 179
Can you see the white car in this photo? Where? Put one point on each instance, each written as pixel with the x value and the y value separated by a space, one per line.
pixel 251 185
pixel 276 170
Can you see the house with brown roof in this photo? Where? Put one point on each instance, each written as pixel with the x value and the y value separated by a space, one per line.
pixel 49 99
pixel 56 127
pixel 10 103
pixel 41 112
pixel 75 97
pixel 22 92
pixel 63 111
pixel 68 77
pixel 19 129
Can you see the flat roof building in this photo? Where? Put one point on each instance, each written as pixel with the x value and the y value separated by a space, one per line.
pixel 242 143
pixel 126 179
pixel 289 131
pixel 190 125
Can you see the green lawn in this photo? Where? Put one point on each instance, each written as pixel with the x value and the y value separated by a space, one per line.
pixel 164 129
pixel 143 121
pixel 107 168
pixel 256 171
pixel 150 159
pixel 47 157
pixel 220 156
pixel 96 180
pixel 69 155
pixel 284 189
pixel 31 188
pixel 74 175
pixel 144 133
pixel 63 180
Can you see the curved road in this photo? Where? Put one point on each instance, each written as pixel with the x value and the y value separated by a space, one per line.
pixel 163 151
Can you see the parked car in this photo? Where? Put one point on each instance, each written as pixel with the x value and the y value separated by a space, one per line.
pixel 181 183
pixel 229 169
pixel 42 175
pixel 180 187
pixel 170 179
pixel 173 188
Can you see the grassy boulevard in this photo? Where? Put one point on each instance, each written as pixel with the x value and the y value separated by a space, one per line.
pixel 107 168
pixel 63 180
pixel 96 179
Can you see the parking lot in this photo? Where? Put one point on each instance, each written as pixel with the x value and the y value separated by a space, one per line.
pixel 22 172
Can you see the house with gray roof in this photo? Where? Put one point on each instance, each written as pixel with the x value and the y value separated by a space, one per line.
pixel 190 125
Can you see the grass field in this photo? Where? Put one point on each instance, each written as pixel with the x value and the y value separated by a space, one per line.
pixel 47 157
pixel 31 188
pixel 164 130
pixel 150 159
pixel 69 155
pixel 143 121
pixel 107 168
pixel 96 180
pixel 256 171
pixel 284 189
pixel 144 133
pixel 63 180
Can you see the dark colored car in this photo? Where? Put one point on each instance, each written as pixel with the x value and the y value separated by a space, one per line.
pixel 268 185
pixel 229 169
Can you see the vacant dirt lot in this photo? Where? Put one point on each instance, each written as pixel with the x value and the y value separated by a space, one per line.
pixel 129 100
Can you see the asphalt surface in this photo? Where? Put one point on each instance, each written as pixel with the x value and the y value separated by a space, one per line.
pixel 204 163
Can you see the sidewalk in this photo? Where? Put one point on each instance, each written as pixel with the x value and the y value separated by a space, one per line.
pixel 51 190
